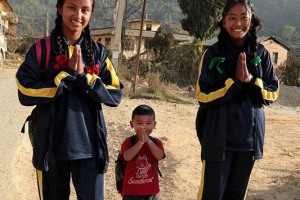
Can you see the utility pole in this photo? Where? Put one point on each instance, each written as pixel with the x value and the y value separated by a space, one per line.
pixel 47 23
pixel 118 33
pixel 139 49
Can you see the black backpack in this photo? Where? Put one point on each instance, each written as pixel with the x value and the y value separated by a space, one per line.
pixel 120 166
pixel 43 48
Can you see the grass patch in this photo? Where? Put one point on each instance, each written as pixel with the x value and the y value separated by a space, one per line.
pixel 160 95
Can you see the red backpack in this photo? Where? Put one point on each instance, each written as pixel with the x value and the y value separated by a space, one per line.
pixel 43 49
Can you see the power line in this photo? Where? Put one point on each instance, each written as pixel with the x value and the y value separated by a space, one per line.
pixel 29 17
pixel 222 3
pixel 279 37
pixel 270 31
pixel 209 1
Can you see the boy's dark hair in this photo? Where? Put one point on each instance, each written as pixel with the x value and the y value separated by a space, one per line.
pixel 143 110
pixel 255 22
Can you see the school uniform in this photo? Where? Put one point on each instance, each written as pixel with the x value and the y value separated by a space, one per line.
pixel 231 120
pixel 70 134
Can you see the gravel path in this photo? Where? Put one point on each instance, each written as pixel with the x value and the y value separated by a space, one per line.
pixel 12 115
pixel 277 176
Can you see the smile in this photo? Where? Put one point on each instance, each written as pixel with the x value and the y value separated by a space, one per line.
pixel 76 23
pixel 238 30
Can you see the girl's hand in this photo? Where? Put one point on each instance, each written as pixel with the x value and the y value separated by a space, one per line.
pixel 80 66
pixel 72 64
pixel 241 68
pixel 241 71
pixel 75 63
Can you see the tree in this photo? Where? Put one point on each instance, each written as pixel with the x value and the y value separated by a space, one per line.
pixel 289 73
pixel 288 32
pixel 201 17
pixel 181 64
pixel 161 43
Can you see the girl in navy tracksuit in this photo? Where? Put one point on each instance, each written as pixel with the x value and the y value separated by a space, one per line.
pixel 70 134
pixel 236 80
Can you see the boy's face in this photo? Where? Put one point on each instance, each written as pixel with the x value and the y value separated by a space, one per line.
pixel 143 123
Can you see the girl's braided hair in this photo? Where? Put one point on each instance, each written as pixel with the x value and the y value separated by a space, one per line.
pixel 57 35
pixel 254 28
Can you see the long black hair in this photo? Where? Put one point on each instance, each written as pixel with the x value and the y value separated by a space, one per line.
pixel 255 26
pixel 57 35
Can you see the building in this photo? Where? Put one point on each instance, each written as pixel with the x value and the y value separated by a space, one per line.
pixel 7 23
pixel 278 50
pixel 131 36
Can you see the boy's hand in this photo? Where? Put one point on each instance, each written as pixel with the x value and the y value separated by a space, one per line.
pixel 142 135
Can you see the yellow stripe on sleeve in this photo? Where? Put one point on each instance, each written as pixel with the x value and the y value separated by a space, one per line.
pixel 114 78
pixel 91 78
pixel 115 82
pixel 60 77
pixel 43 92
pixel 202 97
pixel 205 98
pixel 270 96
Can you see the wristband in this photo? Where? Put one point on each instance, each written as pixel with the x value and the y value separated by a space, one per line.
pixel 248 79
pixel 141 142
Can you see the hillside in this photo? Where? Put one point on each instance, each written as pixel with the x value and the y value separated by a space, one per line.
pixel 274 13
pixel 32 14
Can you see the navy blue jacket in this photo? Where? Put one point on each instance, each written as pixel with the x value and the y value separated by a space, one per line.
pixel 62 96
pixel 231 114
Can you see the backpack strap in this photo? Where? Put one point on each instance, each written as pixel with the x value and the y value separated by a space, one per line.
pixel 43 48
pixel 132 139
pixel 23 127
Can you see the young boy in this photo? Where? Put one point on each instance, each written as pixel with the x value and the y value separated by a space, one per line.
pixel 141 174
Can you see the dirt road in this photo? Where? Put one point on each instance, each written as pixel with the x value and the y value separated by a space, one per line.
pixel 277 176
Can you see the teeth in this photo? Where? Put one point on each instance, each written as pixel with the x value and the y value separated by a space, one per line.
pixel 76 22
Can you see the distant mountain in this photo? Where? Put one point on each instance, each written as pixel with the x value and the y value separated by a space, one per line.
pixel 275 14
pixel 278 13
pixel 32 14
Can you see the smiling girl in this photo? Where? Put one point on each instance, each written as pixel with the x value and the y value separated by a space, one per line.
pixel 70 135
pixel 236 80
